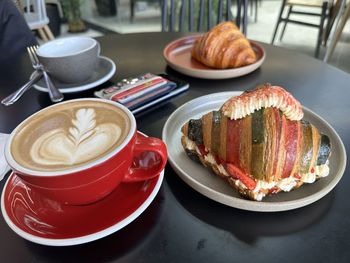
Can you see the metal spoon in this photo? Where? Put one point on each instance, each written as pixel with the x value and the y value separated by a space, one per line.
pixel 18 93
pixel 55 94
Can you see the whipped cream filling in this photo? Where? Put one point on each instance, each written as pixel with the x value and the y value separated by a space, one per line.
pixel 309 178
pixel 322 170
pixel 285 184
pixel 190 145
pixel 239 108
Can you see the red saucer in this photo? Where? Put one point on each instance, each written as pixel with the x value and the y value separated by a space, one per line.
pixel 45 221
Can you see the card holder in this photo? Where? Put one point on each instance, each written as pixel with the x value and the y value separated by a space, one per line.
pixel 144 91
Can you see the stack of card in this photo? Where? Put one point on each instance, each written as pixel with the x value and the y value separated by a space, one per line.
pixel 135 93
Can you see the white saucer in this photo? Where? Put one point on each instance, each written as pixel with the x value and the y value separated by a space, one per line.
pixel 103 72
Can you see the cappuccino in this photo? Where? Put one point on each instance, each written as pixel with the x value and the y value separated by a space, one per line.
pixel 69 135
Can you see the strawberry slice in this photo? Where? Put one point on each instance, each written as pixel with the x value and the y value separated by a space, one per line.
pixel 219 160
pixel 273 190
pixel 202 150
pixel 237 173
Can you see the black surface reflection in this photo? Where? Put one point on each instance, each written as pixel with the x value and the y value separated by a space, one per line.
pixel 247 226
pixel 44 99
pixel 165 108
pixel 109 248
pixel 225 84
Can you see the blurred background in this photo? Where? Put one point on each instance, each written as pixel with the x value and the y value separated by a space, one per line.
pixel 99 17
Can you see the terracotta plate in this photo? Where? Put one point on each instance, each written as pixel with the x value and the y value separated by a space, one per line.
pixel 207 183
pixel 178 56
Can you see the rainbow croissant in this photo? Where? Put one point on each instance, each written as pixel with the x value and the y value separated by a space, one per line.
pixel 259 143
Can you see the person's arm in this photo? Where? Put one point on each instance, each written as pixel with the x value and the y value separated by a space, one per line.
pixel 15 34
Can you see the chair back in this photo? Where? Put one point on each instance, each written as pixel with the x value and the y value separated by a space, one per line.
pixel 35 13
pixel 310 3
pixel 201 15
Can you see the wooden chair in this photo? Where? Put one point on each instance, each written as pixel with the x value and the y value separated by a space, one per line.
pixel 321 4
pixel 343 17
pixel 198 18
pixel 36 17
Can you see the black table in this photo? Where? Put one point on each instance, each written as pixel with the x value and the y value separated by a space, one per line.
pixel 181 225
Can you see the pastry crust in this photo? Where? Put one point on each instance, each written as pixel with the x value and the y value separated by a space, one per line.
pixel 256 194
pixel 223 47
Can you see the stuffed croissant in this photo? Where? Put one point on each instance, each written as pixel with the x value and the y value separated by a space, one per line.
pixel 259 143
pixel 223 47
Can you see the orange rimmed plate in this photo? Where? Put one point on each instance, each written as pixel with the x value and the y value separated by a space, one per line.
pixel 178 56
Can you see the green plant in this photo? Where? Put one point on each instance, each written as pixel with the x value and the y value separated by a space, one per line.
pixel 71 10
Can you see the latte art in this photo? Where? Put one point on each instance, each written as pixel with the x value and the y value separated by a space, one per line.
pixel 70 135
pixel 84 141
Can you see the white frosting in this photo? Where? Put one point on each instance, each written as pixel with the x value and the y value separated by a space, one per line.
pixel 322 170
pixel 239 184
pixel 240 109
pixel 259 196
pixel 210 159
pixel 263 185
pixel 286 184
pixel 190 145
pixel 309 178
pixel 83 141
pixel 222 170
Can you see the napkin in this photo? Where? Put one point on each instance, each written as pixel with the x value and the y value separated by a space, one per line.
pixel 4 168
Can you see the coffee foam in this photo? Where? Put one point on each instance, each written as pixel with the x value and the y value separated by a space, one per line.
pixel 70 135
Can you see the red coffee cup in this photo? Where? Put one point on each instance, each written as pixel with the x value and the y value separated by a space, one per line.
pixel 136 158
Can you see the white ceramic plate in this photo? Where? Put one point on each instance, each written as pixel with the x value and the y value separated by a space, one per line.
pixel 103 72
pixel 207 183
pixel 178 56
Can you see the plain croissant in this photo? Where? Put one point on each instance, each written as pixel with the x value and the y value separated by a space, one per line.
pixel 224 46
pixel 259 143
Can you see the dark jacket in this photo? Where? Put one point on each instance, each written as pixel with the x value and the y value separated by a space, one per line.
pixel 15 34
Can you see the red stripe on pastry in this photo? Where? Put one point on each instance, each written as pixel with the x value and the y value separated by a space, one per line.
pixel 278 121
pixel 291 147
pixel 233 141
